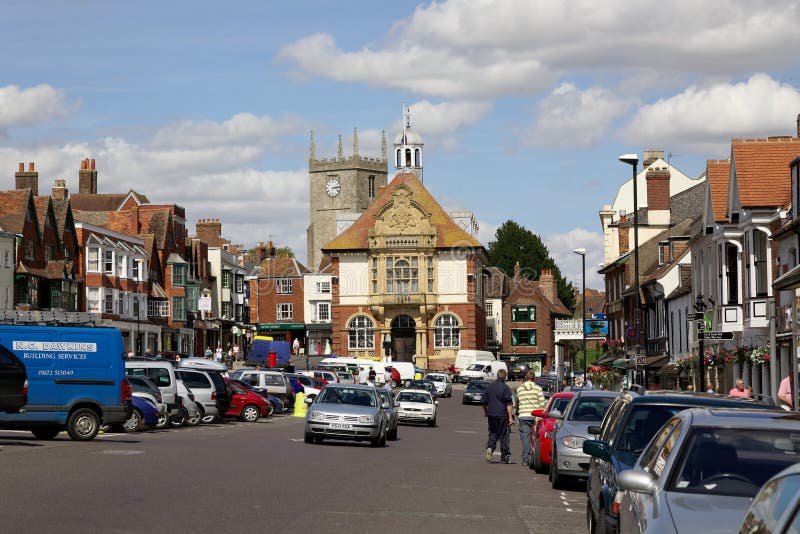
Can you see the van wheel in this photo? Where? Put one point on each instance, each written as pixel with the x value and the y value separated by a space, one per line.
pixel 249 413
pixel 46 432
pixel 83 424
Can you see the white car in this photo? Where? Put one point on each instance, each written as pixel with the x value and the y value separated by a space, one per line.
pixel 444 388
pixel 416 406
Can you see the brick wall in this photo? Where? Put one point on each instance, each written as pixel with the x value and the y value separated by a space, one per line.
pixel 263 292
pixel 658 189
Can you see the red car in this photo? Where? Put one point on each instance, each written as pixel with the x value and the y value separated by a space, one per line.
pixel 247 405
pixel 542 432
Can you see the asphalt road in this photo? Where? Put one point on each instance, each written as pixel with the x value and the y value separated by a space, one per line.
pixel 238 477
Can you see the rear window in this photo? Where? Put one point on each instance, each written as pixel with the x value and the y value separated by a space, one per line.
pixel 641 425
pixel 274 380
pixel 159 375
pixel 559 404
pixel 194 380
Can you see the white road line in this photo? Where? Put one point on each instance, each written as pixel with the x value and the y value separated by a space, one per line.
pixel 465 432
pixel 569 510
pixel 296 439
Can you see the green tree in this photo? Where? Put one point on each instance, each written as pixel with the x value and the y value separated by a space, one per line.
pixel 514 243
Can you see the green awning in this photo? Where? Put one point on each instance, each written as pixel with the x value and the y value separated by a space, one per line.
pixel 273 327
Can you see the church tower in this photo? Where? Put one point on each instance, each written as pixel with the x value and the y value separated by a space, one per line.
pixel 408 148
pixel 341 188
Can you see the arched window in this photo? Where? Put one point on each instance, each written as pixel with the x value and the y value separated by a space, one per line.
pixel 402 275
pixel 360 334
pixel 417 158
pixel 408 157
pixel 445 332
pixel 398 161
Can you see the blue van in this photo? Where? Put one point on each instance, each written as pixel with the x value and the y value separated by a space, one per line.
pixel 76 380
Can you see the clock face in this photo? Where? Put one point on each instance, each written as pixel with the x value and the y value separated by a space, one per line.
pixel 332 187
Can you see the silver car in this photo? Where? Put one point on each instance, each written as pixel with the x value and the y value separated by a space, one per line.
pixel 775 508
pixel 391 412
pixel 444 388
pixel 585 409
pixel 349 412
pixel 700 472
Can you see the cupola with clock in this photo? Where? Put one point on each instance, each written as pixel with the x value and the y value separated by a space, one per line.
pixel 340 189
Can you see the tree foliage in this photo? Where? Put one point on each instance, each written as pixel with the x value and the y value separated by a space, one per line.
pixel 514 243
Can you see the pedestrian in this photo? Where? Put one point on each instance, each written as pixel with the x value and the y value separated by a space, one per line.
pixel 710 388
pixel 355 376
pixel 371 376
pixel 785 393
pixel 218 354
pixel 208 353
pixel 498 411
pixel 689 387
pixel 564 385
pixel 529 396
pixel 738 390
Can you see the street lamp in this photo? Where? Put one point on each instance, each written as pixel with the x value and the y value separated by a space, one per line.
pixel 582 253
pixel 137 305
pixel 633 160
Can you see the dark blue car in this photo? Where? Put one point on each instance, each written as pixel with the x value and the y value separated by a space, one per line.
pixel 474 392
pixel 144 415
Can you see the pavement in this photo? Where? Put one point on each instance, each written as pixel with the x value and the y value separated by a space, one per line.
pixel 262 477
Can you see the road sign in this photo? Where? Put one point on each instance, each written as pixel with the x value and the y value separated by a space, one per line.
pixel 715 335
pixel 630 331
pixel 697 316
pixel 640 360
pixel 701 325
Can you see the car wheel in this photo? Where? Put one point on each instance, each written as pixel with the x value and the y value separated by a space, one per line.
pixel 250 413
pixel 194 421
pixel 308 437
pixel 134 422
pixel 392 435
pixel 432 422
pixel 383 439
pixel 376 441
pixel 46 432
pixel 556 480
pixel 180 420
pixel 83 424
pixel 163 421
pixel 600 523
pixel 536 462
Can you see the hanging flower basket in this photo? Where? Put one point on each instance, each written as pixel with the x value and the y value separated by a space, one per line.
pixel 760 355
pixel 601 376
pixel 712 360
pixel 742 354
pixel 729 356
pixel 686 364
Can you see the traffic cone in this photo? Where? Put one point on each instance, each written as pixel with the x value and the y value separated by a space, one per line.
pixel 300 407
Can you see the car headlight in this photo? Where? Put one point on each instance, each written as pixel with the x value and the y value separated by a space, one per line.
pixel 573 442
pixel 366 419
pixel 317 416
pixel 427 410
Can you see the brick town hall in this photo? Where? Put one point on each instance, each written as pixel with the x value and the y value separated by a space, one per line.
pixel 403 270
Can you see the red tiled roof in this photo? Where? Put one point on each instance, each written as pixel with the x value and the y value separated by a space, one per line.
pixel 762 169
pixel 42 206
pixel 102 202
pixel 449 234
pixel 278 267
pixel 718 175
pixel 13 205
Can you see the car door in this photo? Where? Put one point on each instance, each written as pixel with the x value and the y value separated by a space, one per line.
pixel 238 399
pixel 649 511
pixel 202 388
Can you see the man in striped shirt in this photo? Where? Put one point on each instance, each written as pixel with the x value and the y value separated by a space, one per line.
pixel 527 398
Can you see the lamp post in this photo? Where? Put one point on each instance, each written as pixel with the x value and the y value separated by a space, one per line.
pixel 137 305
pixel 387 346
pixel 582 253
pixel 633 160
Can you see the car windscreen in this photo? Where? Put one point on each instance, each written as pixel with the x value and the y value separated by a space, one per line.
pixel 435 378
pixel 475 384
pixel 559 404
pixel 159 375
pixel 590 408
pixel 640 427
pixel 407 396
pixel 733 461
pixel 352 396
pixel 476 367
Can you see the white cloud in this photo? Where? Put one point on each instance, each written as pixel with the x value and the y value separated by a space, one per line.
pixel 561 247
pixel 477 48
pixel 704 119
pixel 570 117
pixel 32 105
pixel 446 117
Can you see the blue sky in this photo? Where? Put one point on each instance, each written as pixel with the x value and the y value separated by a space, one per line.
pixel 524 105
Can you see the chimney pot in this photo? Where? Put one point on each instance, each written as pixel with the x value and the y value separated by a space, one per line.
pixel 31 167
pixel 92 164
pixel 21 167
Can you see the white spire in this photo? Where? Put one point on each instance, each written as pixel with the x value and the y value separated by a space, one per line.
pixel 408 147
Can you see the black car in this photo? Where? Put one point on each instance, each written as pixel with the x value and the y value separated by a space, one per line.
pixel 474 392
pixel 13 382
pixel 143 384
pixel 548 385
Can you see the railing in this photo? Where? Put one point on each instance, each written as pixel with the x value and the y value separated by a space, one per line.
pixel 51 317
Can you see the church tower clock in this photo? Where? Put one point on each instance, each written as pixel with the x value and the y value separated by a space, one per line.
pixel 340 189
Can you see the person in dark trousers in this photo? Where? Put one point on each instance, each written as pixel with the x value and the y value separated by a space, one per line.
pixel 498 411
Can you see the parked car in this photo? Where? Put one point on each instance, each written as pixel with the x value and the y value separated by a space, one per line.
pixel 416 406
pixel 585 409
pixel 483 370
pixel 144 414
pixel 13 382
pixel 517 370
pixel 631 423
pixel 162 374
pixel 345 377
pixel 444 387
pixel 775 507
pixel 548 384
pixel 142 386
pixel 391 412
pixel 346 412
pixel 427 385
pixel 702 469
pixel 205 391
pixel 328 375
pixel 192 414
pixel 76 379
pixel 542 432
pixel 310 386
pixel 248 406
pixel 275 402
pixel 273 382
pixel 474 392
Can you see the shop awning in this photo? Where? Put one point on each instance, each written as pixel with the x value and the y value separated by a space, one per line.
pixel 668 370
pixel 274 327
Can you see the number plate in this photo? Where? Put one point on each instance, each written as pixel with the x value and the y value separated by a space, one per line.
pixel 341 426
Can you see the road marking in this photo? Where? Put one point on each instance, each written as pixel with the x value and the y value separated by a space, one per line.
pixel 569 510
pixel 296 439
pixel 119 452
pixel 423 515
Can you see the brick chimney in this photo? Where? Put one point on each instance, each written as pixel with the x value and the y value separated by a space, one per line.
pixel 516 272
pixel 679 247
pixel 87 178
pixel 59 191
pixel 658 196
pixel 547 283
pixel 624 230
pixel 27 180
pixel 209 231
pixel 651 156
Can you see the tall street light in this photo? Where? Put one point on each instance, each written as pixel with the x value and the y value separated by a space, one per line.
pixel 633 160
pixel 582 253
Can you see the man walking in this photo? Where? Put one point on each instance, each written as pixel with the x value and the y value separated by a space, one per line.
pixel 498 412
pixel 529 397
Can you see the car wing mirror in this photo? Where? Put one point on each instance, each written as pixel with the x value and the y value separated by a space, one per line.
pixel 555 414
pixel 597 449
pixel 537 413
pixel 636 480
pixel 385 406
pixel 436 402
pixel 396 404
pixel 594 430
pixel 308 401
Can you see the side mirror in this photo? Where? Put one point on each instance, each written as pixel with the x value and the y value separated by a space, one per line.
pixel 537 413
pixel 636 480
pixel 385 406
pixel 436 402
pixel 598 449
pixel 309 401
pixel 555 414
pixel 396 404
pixel 594 430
